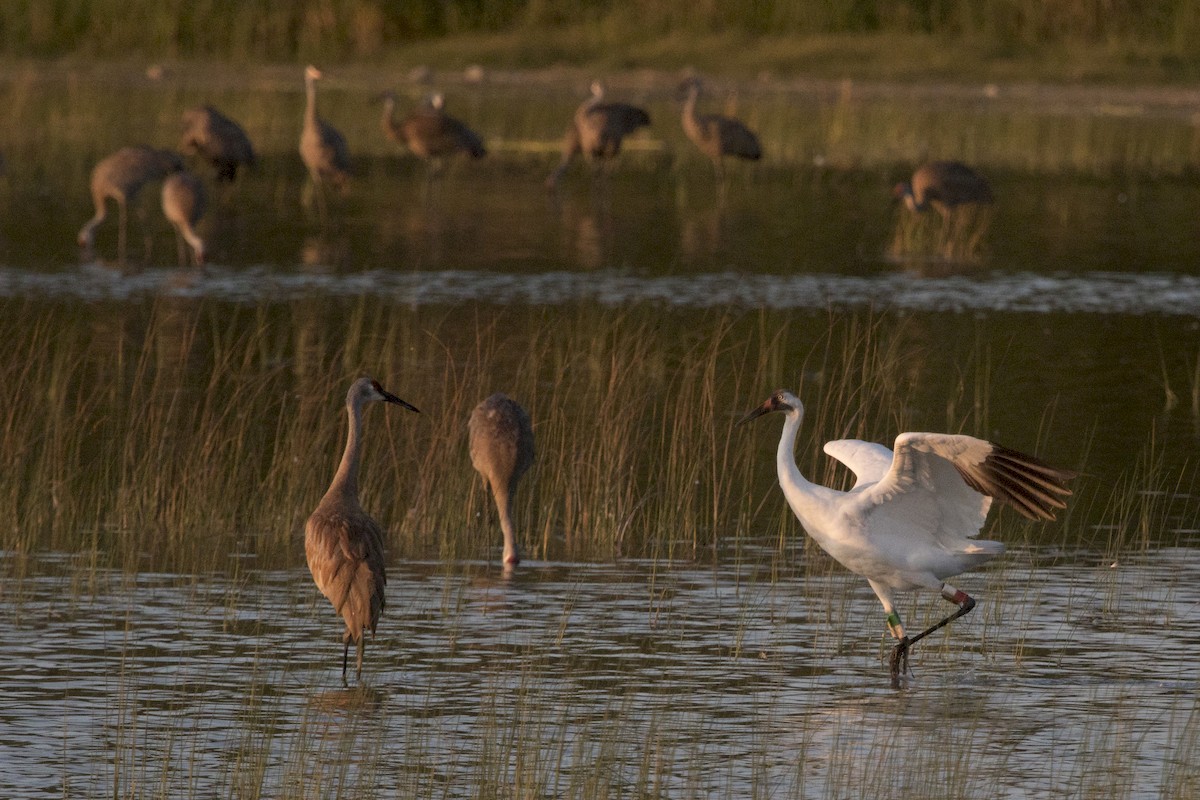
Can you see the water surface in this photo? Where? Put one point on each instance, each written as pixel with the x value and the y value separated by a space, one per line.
pixel 1072 677
pixel 755 669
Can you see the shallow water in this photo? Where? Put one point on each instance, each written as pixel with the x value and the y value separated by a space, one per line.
pixel 1138 294
pixel 760 675
pixel 1071 678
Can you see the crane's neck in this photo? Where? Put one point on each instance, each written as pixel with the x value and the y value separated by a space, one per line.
pixel 802 495
pixel 345 481
pixel 689 108
pixel 586 107
pixel 512 554
pixel 910 200
pixel 390 127
pixel 193 239
pixel 310 109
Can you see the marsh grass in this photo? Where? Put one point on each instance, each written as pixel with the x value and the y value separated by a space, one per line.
pixel 182 432
pixel 929 245
pixel 1029 40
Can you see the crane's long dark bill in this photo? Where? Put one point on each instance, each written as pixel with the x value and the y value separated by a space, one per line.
pixel 391 398
pixel 765 408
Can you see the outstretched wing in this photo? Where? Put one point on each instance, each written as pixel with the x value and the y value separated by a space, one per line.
pixel 943 484
pixel 868 461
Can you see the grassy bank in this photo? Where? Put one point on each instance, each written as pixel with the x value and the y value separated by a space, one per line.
pixel 1122 41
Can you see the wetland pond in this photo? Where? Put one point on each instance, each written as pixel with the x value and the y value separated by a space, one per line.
pixel 672 632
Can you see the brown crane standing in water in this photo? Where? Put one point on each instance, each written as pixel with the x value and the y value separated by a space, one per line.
pixel 323 149
pixel 183 203
pixel 121 176
pixel 597 130
pixel 501 442
pixel 961 197
pixel 343 544
pixel 217 139
pixel 714 135
pixel 943 185
pixel 429 132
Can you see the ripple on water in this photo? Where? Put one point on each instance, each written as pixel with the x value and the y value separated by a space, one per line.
pixel 736 682
pixel 1092 292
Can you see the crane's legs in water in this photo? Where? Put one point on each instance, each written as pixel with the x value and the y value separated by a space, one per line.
pixel 899 659
pixel 314 188
pixel 345 655
pixel 346 639
pixel 122 218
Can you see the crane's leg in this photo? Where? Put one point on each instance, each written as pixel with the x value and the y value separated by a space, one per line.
pixel 180 250
pixel 960 598
pixel 345 655
pixel 319 189
pixel 899 659
pixel 362 646
pixel 122 215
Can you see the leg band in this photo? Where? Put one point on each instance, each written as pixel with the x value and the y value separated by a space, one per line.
pixel 956 596
pixel 894 625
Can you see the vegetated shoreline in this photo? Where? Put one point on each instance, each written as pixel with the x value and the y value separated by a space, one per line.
pixel 1150 98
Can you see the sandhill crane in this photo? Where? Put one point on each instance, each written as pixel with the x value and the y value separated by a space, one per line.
pixel 121 176
pixel 501 442
pixel 910 520
pixel 960 195
pixel 322 148
pixel 597 130
pixel 943 185
pixel 183 204
pixel 429 132
pixel 217 139
pixel 343 544
pixel 714 135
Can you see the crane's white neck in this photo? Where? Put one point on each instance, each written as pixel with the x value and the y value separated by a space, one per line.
pixel 801 494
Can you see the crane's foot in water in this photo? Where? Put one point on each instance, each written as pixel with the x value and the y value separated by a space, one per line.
pixel 899 661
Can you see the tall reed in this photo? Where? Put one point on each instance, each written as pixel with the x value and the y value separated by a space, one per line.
pixel 181 431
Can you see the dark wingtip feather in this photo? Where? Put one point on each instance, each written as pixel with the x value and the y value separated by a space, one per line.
pixel 1033 488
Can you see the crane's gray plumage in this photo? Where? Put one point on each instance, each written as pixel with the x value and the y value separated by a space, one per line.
pixel 214 137
pixel 714 135
pixel 501 442
pixel 429 132
pixel 323 149
pixel 597 130
pixel 183 203
pixel 944 185
pixel 121 176
pixel 343 544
